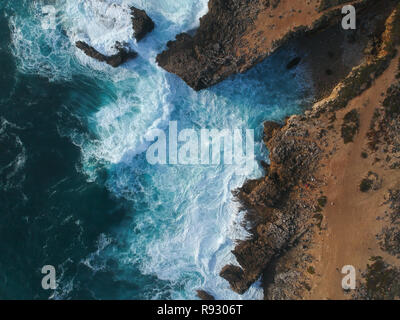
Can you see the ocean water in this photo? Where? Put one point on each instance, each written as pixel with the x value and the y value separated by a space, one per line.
pixel 76 190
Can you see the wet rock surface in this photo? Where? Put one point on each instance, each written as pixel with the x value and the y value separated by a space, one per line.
pixel 204 295
pixel 275 219
pixel 142 23
pixel 123 54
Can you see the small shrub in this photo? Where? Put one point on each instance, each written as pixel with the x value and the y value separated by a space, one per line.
pixel 365 185
pixel 311 270
pixel 322 201
pixel 382 280
pixel 364 155
pixel 318 217
pixel 392 101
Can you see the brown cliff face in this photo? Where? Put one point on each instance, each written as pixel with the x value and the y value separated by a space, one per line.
pixel 237 34
pixel 310 215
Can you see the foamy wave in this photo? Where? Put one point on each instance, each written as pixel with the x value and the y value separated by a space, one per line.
pixel 46 52
pixel 184 221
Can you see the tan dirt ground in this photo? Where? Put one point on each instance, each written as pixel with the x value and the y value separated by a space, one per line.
pixel 350 216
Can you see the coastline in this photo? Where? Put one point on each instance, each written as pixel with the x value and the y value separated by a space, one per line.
pixel 313 177
pixel 305 216
pixel 81 195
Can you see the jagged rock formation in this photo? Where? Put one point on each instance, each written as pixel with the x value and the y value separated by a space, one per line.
pixel 237 34
pixel 204 295
pixel 123 54
pixel 142 23
pixel 275 220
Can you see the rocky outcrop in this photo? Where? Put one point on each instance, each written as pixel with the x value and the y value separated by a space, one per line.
pixel 142 23
pixel 275 219
pixel 204 295
pixel 123 54
pixel 237 34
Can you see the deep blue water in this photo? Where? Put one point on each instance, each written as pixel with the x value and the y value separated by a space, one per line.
pixel 76 190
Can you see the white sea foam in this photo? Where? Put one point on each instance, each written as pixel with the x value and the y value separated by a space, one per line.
pixel 38 51
pixel 184 219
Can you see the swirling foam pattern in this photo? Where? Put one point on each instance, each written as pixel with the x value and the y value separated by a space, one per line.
pixel 183 220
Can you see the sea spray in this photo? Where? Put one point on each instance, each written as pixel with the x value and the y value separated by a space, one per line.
pixel 183 219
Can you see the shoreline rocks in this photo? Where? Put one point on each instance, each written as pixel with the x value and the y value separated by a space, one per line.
pixel 279 212
pixel 204 295
pixel 275 219
pixel 142 23
pixel 123 54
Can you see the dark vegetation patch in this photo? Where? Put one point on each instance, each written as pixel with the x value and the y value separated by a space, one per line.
pixel 350 126
pixel 385 125
pixel 365 185
pixel 392 100
pixel 318 209
pixel 318 219
pixel 372 181
pixel 332 118
pixel 364 155
pixel 381 281
pixel 390 235
pixel 311 270
pixel 322 201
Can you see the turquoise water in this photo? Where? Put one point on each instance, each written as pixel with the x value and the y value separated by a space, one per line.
pixel 76 189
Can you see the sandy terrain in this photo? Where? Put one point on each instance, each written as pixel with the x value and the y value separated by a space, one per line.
pixel 350 216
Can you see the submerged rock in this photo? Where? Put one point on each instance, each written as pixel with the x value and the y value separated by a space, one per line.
pixel 142 23
pixel 236 278
pixel 123 54
pixel 204 295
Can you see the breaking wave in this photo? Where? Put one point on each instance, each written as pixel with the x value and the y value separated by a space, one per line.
pixel 183 218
